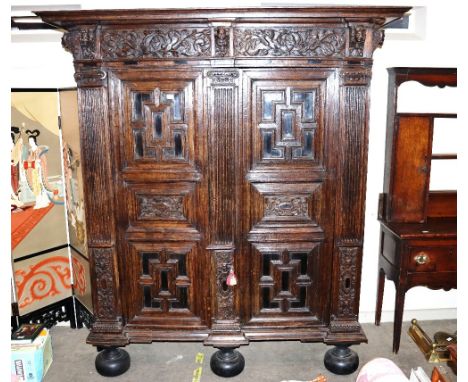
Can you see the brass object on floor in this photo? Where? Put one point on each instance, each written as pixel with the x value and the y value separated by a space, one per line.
pixel 435 350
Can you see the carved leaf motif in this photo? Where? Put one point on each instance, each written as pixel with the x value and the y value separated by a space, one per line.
pixel 103 268
pixel 286 206
pixel 347 291
pixel 310 42
pixel 156 43
pixel 224 294
pixel 161 207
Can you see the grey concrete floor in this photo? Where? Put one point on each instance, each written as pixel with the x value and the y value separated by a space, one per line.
pixel 265 361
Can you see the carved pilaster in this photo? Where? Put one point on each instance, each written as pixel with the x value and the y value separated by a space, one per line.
pixel 351 179
pixel 346 305
pixel 105 279
pixel 225 308
pixel 107 328
pixel 352 166
pixel 98 187
pixel 222 150
pixel 225 329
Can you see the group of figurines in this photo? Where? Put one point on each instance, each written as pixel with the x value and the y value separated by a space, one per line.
pixel 29 178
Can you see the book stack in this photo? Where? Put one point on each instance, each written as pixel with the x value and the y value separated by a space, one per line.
pixel 31 352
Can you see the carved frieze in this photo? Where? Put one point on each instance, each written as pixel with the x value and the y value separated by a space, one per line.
pixel 94 42
pixel 160 207
pixel 156 43
pixel 293 42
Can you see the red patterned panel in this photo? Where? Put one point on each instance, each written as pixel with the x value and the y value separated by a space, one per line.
pixel 47 278
pixel 79 276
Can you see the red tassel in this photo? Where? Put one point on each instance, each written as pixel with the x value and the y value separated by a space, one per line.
pixel 232 278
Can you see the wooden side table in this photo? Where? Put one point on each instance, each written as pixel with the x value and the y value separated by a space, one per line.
pixel 418 240
pixel 415 254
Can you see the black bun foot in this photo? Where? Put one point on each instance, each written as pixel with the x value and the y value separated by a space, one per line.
pixel 112 362
pixel 227 362
pixel 341 360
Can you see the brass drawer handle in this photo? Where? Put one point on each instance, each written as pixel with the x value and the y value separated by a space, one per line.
pixel 421 258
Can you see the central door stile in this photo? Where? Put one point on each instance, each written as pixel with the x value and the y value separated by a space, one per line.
pixel 222 88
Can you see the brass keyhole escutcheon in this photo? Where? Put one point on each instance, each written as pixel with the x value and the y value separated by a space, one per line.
pixel 421 258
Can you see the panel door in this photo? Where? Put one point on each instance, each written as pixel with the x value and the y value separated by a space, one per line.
pixel 289 192
pixel 158 138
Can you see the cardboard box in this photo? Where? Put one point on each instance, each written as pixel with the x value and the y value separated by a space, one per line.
pixel 30 362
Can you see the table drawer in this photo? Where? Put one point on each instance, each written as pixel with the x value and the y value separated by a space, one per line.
pixel 432 259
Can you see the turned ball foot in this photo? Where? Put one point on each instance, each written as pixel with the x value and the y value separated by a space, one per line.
pixel 112 362
pixel 227 362
pixel 341 360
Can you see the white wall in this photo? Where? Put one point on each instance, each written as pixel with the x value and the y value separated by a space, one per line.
pixel 46 64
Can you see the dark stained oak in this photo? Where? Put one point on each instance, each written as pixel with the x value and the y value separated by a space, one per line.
pixel 220 143
pixel 418 238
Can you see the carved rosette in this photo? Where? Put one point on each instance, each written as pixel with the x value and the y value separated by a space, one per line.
pixel 156 43
pixel 224 294
pixel 293 42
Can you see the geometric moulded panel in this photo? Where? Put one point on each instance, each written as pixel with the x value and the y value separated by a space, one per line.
pixel 158 125
pixel 286 280
pixel 164 281
pixel 288 123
